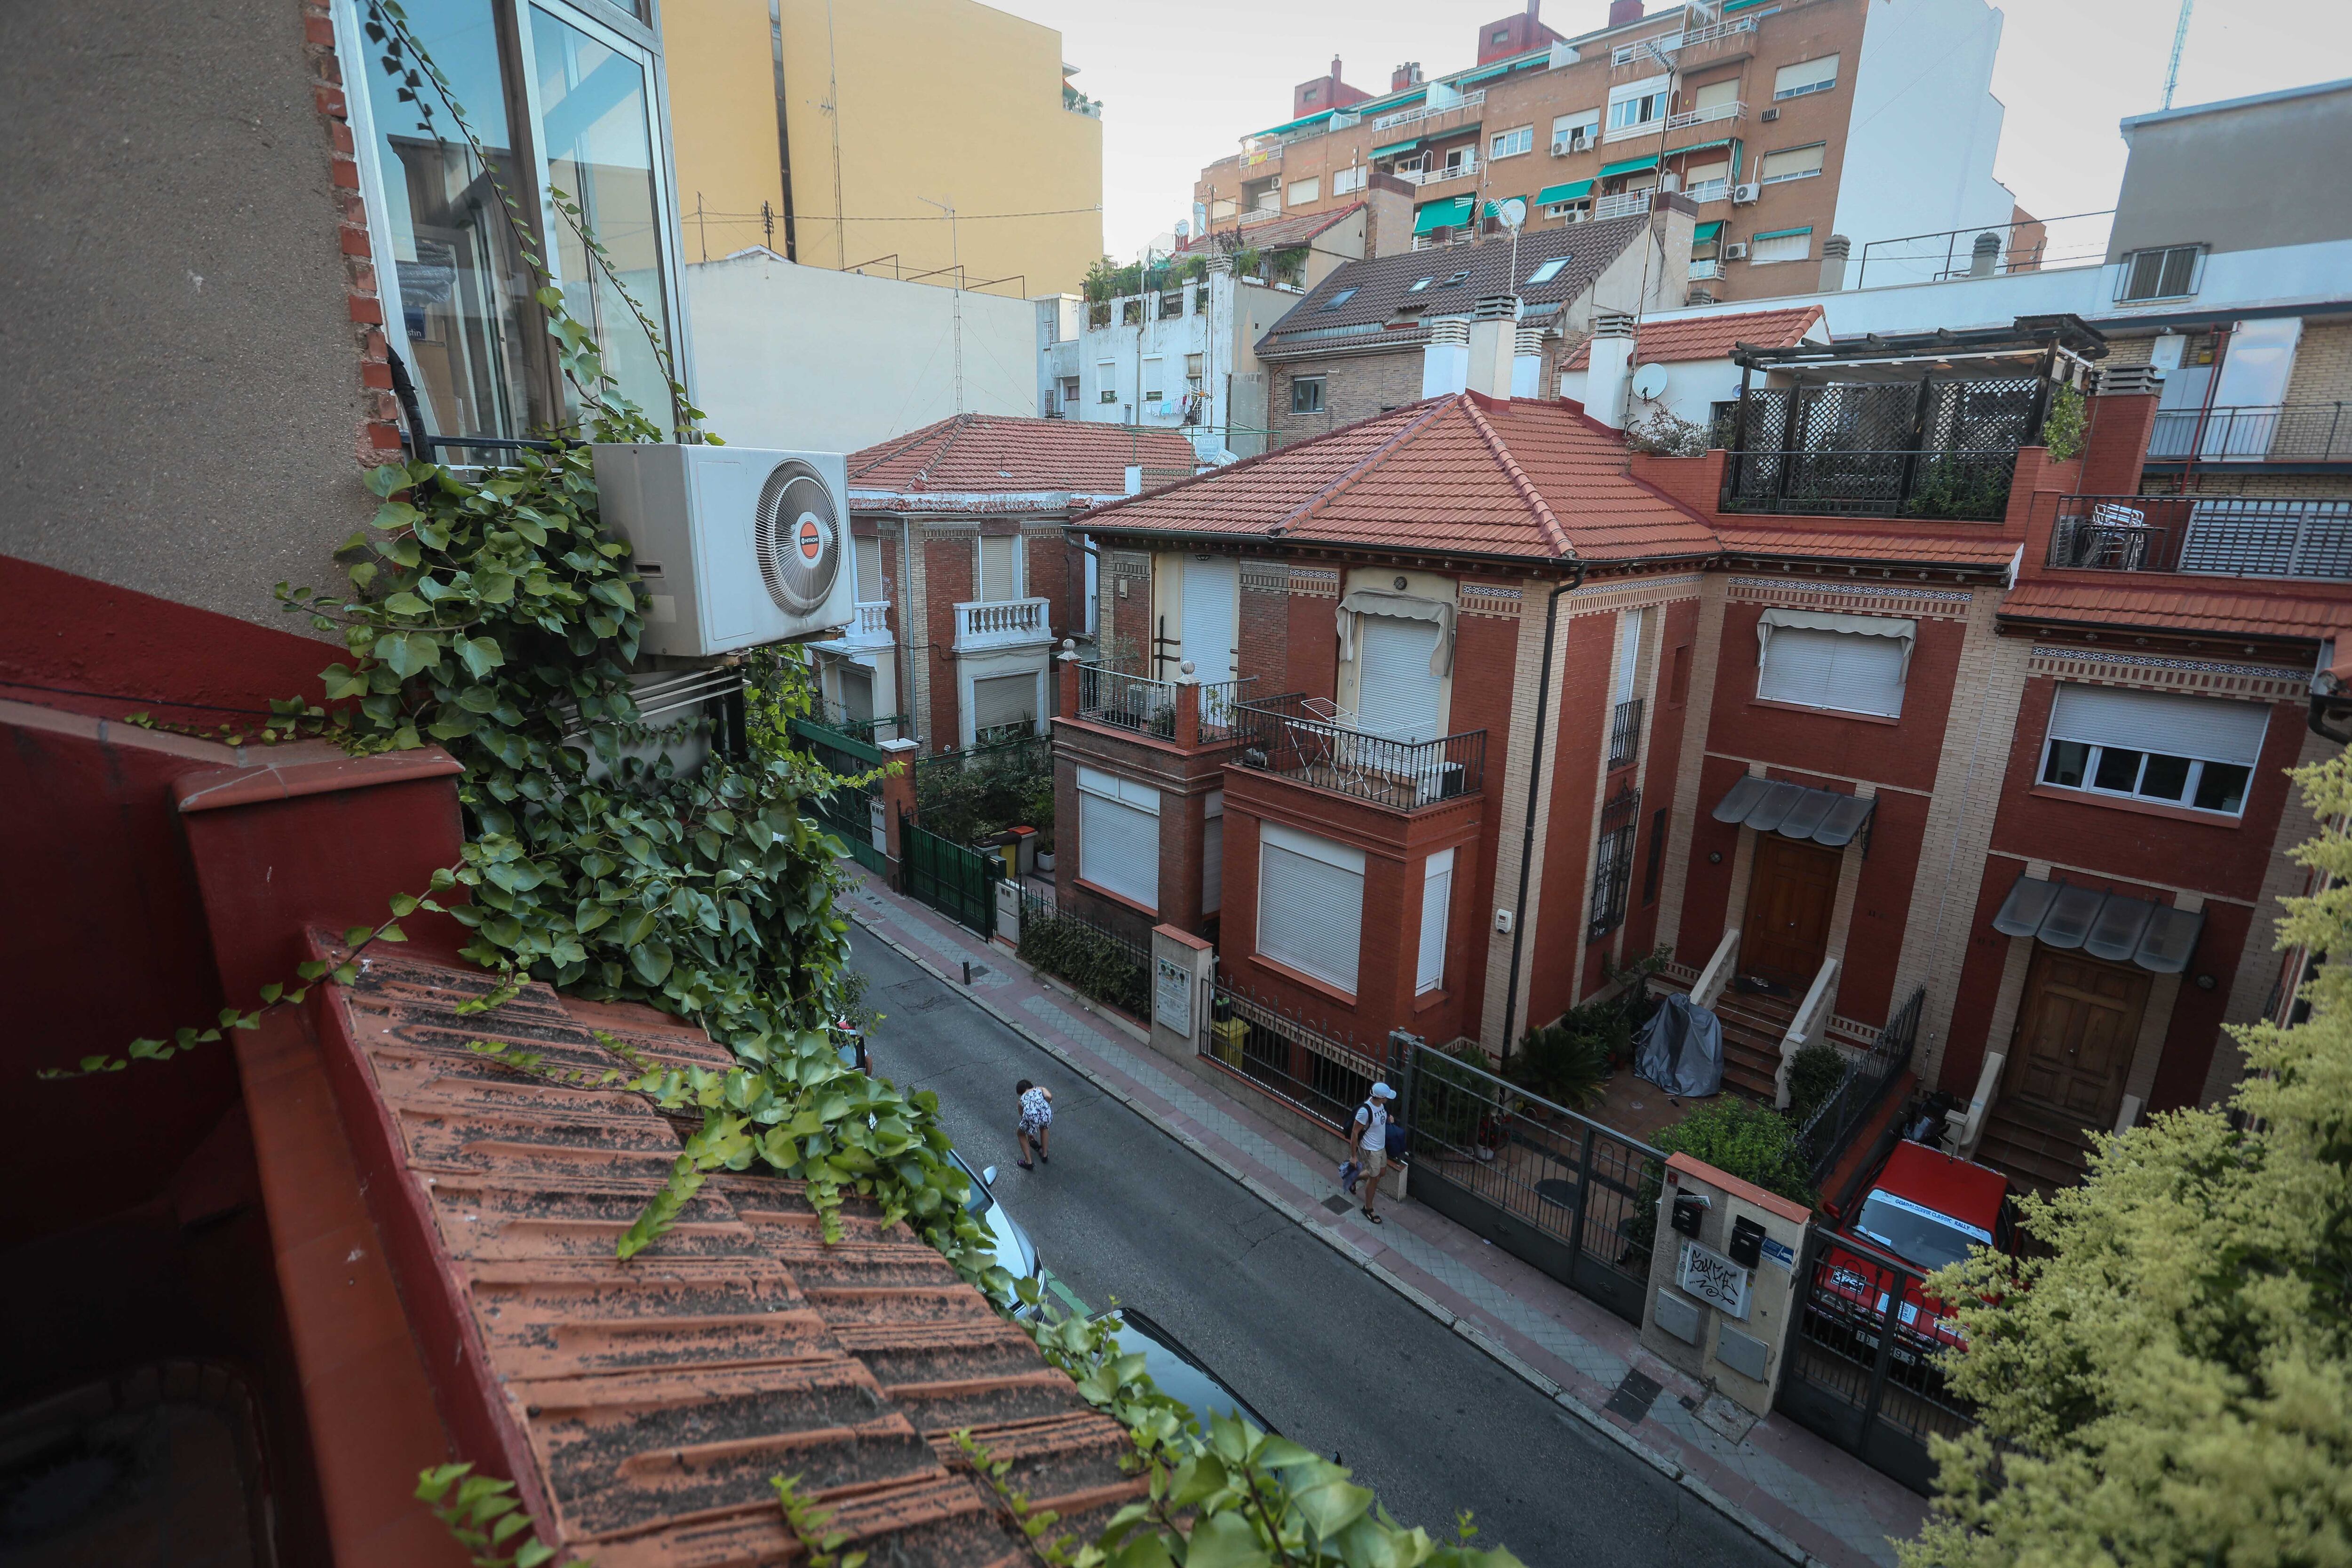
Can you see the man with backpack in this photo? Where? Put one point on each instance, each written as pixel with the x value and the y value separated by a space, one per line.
pixel 1370 1141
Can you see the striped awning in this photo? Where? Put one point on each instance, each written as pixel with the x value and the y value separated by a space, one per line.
pixel 1708 231
pixel 1795 811
pixel 2157 936
pixel 1407 145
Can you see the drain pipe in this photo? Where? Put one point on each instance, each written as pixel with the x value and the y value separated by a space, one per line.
pixel 1534 794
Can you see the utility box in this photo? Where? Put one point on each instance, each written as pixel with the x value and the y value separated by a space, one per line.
pixel 1724 1293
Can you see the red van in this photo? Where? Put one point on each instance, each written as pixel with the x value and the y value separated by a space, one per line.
pixel 1925 1208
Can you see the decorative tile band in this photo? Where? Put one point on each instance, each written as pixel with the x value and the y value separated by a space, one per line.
pixel 1322 580
pixel 1633 593
pixel 1135 568
pixel 2156 673
pixel 1935 604
pixel 1491 599
pixel 1269 576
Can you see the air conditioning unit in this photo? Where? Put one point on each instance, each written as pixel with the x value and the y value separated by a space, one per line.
pixel 1742 196
pixel 1736 251
pixel 1574 141
pixel 738 547
pixel 1769 114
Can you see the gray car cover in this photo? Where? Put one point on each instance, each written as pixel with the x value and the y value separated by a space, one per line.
pixel 1680 1049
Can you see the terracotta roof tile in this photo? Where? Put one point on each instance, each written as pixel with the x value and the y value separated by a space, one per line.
pixel 979 453
pixel 648 1403
pixel 1709 337
pixel 1295 229
pixel 2231 610
pixel 1870 538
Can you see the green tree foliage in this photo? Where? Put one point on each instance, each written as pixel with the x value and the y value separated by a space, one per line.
pixel 1814 1073
pixel 1744 1138
pixel 2172 1383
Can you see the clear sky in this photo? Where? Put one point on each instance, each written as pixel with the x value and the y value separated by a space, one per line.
pixel 1179 85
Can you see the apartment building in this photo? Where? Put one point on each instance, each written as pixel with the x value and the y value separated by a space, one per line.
pixel 1931 748
pixel 1751 110
pixel 815 130
pixel 966 578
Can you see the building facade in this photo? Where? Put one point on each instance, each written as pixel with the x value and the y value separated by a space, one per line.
pixel 1753 111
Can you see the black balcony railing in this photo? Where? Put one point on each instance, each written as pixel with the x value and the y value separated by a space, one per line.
pixel 1127 701
pixel 2216 536
pixel 1968 486
pixel 1288 735
pixel 1929 449
pixel 2273 432
pixel 1625 733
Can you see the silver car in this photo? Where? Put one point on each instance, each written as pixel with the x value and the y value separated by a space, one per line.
pixel 1015 1253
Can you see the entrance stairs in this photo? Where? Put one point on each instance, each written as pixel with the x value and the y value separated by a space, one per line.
pixel 2037 1147
pixel 1753 1025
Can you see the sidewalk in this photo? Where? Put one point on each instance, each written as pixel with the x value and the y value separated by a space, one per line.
pixel 1805 1499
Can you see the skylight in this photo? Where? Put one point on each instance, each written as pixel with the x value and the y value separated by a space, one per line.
pixel 1549 270
pixel 1420 286
pixel 1335 301
pixel 1457 277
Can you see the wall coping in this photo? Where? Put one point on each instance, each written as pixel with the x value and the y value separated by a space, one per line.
pixel 1746 1192
pixel 308 768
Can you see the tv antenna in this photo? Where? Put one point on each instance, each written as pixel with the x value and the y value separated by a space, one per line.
pixel 2179 38
pixel 955 258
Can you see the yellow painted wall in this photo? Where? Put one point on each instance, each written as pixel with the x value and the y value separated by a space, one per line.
pixel 939 98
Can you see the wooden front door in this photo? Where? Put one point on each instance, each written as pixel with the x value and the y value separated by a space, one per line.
pixel 2077 1025
pixel 1791 891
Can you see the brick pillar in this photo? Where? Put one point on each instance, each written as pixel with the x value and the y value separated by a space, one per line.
pixel 2123 416
pixel 897 791
pixel 1069 677
pixel 1188 713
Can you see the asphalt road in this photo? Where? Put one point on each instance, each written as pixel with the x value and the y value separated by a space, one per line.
pixel 1332 1357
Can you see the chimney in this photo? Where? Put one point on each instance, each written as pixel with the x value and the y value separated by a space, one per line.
pixel 1623 11
pixel 1135 479
pixel 2123 415
pixel 1834 250
pixel 1493 341
pixel 1404 76
pixel 1982 257
pixel 1527 363
pixel 1335 71
pixel 1445 361
pixel 1612 367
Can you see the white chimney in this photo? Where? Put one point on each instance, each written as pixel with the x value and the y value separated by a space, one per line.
pixel 1494 340
pixel 1445 361
pixel 1135 479
pixel 1526 364
pixel 1611 373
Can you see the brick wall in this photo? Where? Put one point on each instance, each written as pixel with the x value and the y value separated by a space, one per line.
pixel 950 564
pixel 378 438
pixel 2322 365
pixel 1355 387
pixel 1126 620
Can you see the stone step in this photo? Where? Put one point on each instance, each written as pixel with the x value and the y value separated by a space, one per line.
pixel 2038 1149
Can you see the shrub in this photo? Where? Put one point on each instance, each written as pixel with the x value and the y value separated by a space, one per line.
pixel 1666 434
pixel 2062 426
pixel 1456 1110
pixel 968 796
pixel 1569 1062
pixel 1743 1139
pixel 1813 1075
pixel 1094 963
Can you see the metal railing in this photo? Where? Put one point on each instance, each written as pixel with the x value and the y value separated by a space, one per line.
pixel 1460 170
pixel 1624 204
pixel 2077 240
pixel 1968 485
pixel 1708 191
pixel 1707 116
pixel 2216 536
pixel 1308 1068
pixel 1123 701
pixel 1829 1129
pixel 1093 959
pixel 1220 705
pixel 1625 733
pixel 2274 432
pixel 1422 112
pixel 1639 50
pixel 1285 735
pixel 832 716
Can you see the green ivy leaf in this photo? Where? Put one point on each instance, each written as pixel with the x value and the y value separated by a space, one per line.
pixel 652 961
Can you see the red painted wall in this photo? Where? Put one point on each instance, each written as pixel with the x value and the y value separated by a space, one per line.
pixel 1555 947
pixel 949 569
pixel 1903 753
pixel 1660 765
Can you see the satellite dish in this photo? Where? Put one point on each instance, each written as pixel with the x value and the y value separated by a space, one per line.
pixel 1512 214
pixel 1650 382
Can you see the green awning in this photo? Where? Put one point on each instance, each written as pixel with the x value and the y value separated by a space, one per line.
pixel 1700 147
pixel 1628 166
pixel 1450 212
pixel 1574 191
pixel 1299 124
pixel 1731 6
pixel 1407 145
pixel 1708 232
pixel 1783 233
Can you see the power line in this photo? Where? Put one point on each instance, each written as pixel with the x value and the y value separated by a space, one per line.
pixel 927 217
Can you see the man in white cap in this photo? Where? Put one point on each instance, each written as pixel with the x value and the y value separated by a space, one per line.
pixel 1370 1140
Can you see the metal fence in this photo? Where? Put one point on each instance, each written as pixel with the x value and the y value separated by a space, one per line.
pixel 1095 961
pixel 959 882
pixel 1830 1129
pixel 1929 448
pixel 2276 432
pixel 1303 1067
pixel 975 793
pixel 1625 733
pixel 1283 735
pixel 2220 536
pixel 1574 1199
pixel 846 812
pixel 1123 701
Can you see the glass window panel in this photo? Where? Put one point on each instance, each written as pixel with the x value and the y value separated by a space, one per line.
pixel 2178 266
pixel 2068 761
pixel 2222 787
pixel 2166 778
pixel 460 275
pixel 2119 769
pixel 596 138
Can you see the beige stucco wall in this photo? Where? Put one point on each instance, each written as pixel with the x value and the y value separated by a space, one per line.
pixel 944 99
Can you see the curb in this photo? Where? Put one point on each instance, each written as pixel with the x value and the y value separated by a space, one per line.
pixel 1494 1349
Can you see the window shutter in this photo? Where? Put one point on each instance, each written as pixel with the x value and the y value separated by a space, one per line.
pixel 2212 728
pixel 1629 653
pixel 1310 904
pixel 1211 619
pixel 1716 94
pixel 999 576
pixel 1806 76
pixel 868 552
pixel 1843 670
pixel 1794 162
pixel 1119 836
pixel 857 693
pixel 1003 700
pixel 1436 899
pixel 1396 695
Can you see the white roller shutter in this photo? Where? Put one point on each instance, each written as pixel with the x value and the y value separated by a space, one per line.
pixel 1003 700
pixel 1310 904
pixel 1436 899
pixel 1211 617
pixel 1629 655
pixel 1212 852
pixel 1119 836
pixel 1000 568
pixel 1396 695
pixel 1833 669
pixel 2213 729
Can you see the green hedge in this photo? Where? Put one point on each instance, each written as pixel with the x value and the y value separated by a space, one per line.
pixel 1093 962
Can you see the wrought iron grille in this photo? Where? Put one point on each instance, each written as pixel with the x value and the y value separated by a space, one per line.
pixel 2222 536
pixel 1308 1067
pixel 1127 701
pixel 1612 875
pixel 1097 961
pixel 1932 448
pixel 1283 735
pixel 1831 1128
pixel 1625 733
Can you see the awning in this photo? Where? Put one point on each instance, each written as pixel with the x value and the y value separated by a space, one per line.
pixel 1406 607
pixel 1450 212
pixel 1574 191
pixel 1407 145
pixel 1795 811
pixel 1699 147
pixel 1706 232
pixel 1783 233
pixel 1904 631
pixel 1628 166
pixel 2157 936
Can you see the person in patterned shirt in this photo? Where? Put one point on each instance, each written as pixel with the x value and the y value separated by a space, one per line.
pixel 1036 1121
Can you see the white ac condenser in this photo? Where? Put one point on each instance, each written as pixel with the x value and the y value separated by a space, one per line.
pixel 738 547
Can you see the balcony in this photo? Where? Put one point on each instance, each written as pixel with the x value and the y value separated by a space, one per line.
pixel 2207 536
pixel 1706 116
pixel 1706 267
pixel 1933 447
pixel 1001 624
pixel 869 628
pixel 1710 191
pixel 1625 733
pixel 1305 740
pixel 2272 432
pixel 1142 706
pixel 1624 204
pixel 1423 112
pixel 1462 171
pixel 1640 51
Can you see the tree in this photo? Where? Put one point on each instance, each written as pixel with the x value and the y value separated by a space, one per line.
pixel 2172 1384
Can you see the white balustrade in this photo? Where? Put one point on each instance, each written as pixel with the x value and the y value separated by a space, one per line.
pixel 1001 623
pixel 1812 1017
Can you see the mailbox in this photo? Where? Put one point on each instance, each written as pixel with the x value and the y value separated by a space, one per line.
pixel 1747 1242
pixel 1689 1209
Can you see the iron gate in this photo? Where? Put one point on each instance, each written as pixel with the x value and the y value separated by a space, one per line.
pixel 846 813
pixel 1863 1361
pixel 1575 1198
pixel 960 883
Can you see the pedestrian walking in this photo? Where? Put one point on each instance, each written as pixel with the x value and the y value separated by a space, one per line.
pixel 1369 1141
pixel 1036 1121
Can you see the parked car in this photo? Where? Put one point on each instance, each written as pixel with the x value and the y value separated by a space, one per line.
pixel 1015 1253
pixel 1179 1372
pixel 1925 1208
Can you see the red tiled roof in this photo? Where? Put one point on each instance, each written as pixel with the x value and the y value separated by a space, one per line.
pixel 1870 538
pixel 1494 478
pixel 1297 229
pixel 1709 337
pixel 2231 611
pixel 972 453
pixel 642 1407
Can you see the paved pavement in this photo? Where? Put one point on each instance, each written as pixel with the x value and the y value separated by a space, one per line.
pixel 1787 1489
pixel 1331 1356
